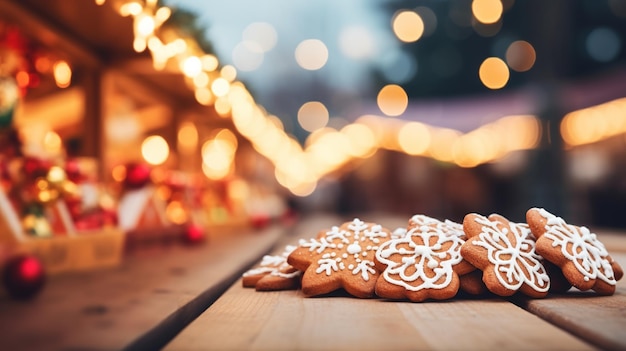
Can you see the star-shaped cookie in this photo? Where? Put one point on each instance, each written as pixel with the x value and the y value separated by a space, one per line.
pixel 340 257
pixel 505 252
pixel 273 273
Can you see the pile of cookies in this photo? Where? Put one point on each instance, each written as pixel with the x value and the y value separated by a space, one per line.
pixel 433 259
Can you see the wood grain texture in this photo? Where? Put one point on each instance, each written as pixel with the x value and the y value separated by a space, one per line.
pixel 144 302
pixel 600 320
pixel 243 319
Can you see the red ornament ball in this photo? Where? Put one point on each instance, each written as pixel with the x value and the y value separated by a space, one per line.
pixel 260 221
pixel 137 175
pixel 194 234
pixel 23 277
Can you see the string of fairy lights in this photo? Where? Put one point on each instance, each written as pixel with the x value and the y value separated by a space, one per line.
pixel 299 168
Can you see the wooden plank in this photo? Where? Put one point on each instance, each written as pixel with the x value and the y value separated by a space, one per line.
pixel 140 305
pixel 243 319
pixel 600 320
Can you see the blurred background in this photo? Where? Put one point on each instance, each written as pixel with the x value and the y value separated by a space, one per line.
pixel 440 107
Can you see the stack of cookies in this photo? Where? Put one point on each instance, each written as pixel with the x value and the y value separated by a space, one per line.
pixel 435 260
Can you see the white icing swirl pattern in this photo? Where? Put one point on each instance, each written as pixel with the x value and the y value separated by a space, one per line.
pixel 425 246
pixel 273 265
pixel 580 246
pixel 350 250
pixel 514 258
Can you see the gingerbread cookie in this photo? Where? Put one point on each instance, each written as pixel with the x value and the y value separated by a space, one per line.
pixel 273 273
pixel 505 252
pixel 448 226
pixel 472 283
pixel 583 259
pixel 341 257
pixel 424 264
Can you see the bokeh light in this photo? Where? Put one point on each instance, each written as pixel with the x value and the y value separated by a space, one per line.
pixel 392 100
pixel 188 136
pixel 408 26
pixel 603 44
pixel 520 56
pixel 487 11
pixel 312 116
pixel 262 34
pixel 356 42
pixel 155 150
pixel 311 54
pixel 493 73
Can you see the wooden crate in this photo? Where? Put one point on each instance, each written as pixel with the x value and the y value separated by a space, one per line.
pixel 72 251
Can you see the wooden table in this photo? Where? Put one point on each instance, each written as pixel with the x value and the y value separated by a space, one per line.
pixel 191 299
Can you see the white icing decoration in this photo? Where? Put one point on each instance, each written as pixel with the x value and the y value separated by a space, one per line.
pixel 354 248
pixel 286 275
pixel 345 248
pixel 273 264
pixel 587 253
pixel 515 261
pixel 439 257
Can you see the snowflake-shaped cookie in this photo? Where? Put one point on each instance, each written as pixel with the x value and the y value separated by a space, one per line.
pixel 505 252
pixel 423 264
pixel 342 257
pixel 583 259
pixel 273 273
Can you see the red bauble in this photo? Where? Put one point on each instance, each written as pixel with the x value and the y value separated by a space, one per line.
pixel 23 276
pixel 193 234
pixel 34 167
pixel 137 175
pixel 72 169
pixel 260 221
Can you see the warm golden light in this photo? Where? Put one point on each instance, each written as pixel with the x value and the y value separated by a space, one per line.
pixel 176 213
pixel 362 139
pixel 52 142
pixel 222 107
pixel 414 138
pixel 494 73
pixel 229 73
pixel 191 66
pixel 487 11
pixel 312 115
pixel 62 74
pixel 155 150
pixel 204 96
pixel 408 26
pixel 520 56
pixel 392 100
pixel 209 62
pixel 594 123
pixel 220 87
pixel 311 54
pixel 188 136
pixel 118 173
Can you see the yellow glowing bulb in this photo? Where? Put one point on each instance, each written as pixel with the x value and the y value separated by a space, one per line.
pixel 155 150
pixel 62 74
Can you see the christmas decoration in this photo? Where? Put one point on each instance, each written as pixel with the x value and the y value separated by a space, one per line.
pixel 137 175
pixel 9 94
pixel 194 234
pixel 260 220
pixel 23 276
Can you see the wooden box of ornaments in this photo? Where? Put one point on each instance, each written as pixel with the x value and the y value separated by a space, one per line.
pixel 52 211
